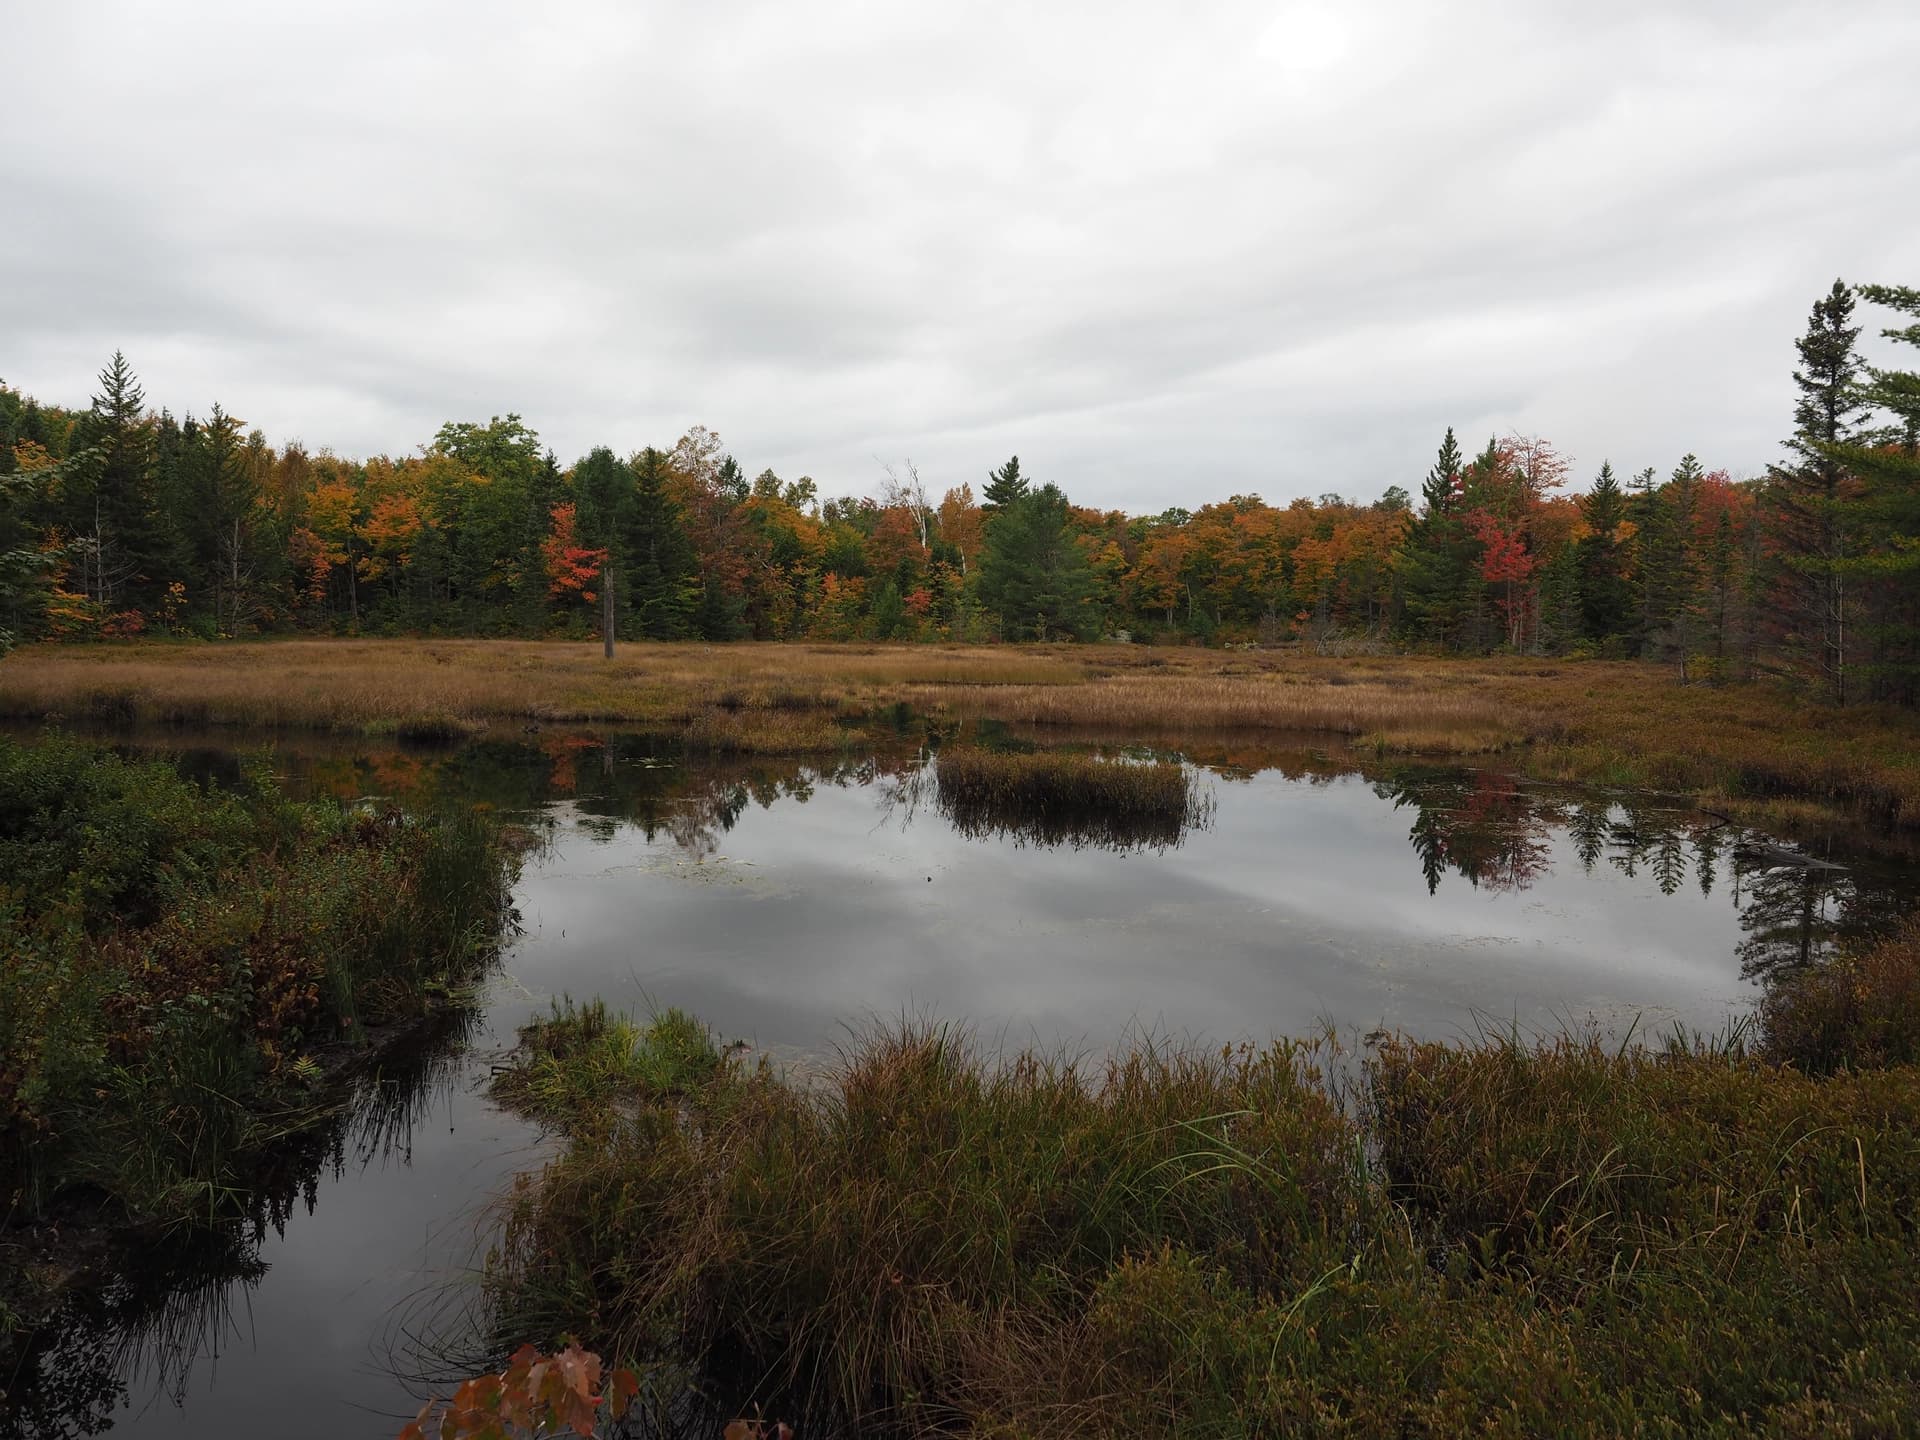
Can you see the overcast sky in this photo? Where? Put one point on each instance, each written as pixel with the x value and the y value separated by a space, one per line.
pixel 1164 252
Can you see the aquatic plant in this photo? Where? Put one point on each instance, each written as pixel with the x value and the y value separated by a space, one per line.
pixel 1501 1236
pixel 580 1058
pixel 1067 797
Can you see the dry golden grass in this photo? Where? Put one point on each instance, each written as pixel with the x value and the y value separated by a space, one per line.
pixel 1617 723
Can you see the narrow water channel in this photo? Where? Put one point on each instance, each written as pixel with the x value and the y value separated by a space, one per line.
pixel 789 904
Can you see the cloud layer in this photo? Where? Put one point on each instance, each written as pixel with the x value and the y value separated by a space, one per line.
pixel 1164 256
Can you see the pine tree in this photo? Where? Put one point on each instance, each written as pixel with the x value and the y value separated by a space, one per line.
pixel 1809 502
pixel 1034 574
pixel 1606 606
pixel 1004 487
pixel 1886 568
pixel 224 531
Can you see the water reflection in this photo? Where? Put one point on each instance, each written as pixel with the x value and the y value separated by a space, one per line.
pixel 158 1311
pixel 1325 885
pixel 1498 834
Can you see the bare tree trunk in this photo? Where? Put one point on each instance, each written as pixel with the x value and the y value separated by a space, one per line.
pixel 606 608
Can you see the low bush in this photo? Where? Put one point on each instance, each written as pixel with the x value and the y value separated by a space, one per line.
pixel 1860 1010
pixel 177 956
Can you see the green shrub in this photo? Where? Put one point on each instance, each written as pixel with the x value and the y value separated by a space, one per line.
pixel 173 952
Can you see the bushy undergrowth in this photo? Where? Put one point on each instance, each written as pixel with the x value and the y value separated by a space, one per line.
pixel 1493 1239
pixel 1860 1010
pixel 175 955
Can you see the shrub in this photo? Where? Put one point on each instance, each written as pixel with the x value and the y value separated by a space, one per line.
pixel 1858 1010
pixel 173 953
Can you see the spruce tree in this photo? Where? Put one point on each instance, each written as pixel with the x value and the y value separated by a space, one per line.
pixel 119 546
pixel 661 587
pixel 1436 563
pixel 1004 487
pixel 1809 501
pixel 1605 604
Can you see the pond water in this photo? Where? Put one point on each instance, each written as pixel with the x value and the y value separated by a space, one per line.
pixel 790 903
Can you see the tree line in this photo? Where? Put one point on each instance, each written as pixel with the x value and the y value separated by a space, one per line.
pixel 117 520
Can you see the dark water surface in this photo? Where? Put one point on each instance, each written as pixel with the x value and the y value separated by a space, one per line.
pixel 783 902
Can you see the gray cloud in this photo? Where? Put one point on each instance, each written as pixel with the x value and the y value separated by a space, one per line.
pixel 1166 256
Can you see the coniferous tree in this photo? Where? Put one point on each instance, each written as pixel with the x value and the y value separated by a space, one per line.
pixel 661 587
pixel 1809 501
pixel 1437 580
pixel 1034 574
pixel 1004 487
pixel 1605 603
pixel 109 505
pixel 1886 568
pixel 1675 559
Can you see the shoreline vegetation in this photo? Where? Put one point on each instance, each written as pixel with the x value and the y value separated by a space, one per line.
pixel 194 977
pixel 1622 724
pixel 1503 1237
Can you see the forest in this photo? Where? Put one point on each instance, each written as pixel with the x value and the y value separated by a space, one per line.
pixel 118 520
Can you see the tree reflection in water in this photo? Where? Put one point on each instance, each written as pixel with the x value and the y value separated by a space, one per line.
pixel 1498 833
pixel 154 1309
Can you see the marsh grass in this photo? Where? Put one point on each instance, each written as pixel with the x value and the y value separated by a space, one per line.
pixel 580 1058
pixel 1752 747
pixel 1068 797
pixel 1500 1237
pixel 177 957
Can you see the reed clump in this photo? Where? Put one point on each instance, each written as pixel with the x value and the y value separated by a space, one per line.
pixel 580 1057
pixel 1065 797
pixel 1501 1237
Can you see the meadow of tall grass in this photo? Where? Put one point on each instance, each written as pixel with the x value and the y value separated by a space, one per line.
pixel 1499 1237
pixel 1755 746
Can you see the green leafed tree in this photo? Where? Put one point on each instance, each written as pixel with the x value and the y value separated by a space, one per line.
pixel 1437 571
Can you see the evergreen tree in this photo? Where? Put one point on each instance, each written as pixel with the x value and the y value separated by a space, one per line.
pixel 1605 602
pixel 1004 486
pixel 1438 581
pixel 1809 501
pixel 109 506
pixel 224 533
pixel 1886 569
pixel 1033 572
pixel 661 589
